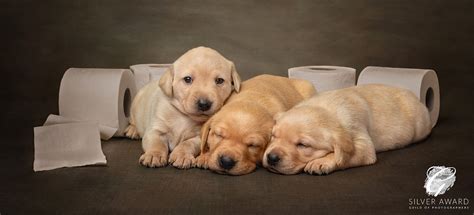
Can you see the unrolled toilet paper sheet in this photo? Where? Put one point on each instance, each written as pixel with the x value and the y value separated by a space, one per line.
pixel 106 132
pixel 67 145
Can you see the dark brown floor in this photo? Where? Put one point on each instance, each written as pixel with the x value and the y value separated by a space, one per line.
pixel 41 39
pixel 124 187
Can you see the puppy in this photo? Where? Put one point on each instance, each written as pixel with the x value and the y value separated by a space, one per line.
pixel 167 114
pixel 345 128
pixel 234 139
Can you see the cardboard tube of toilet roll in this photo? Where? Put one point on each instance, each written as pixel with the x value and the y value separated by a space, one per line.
pixel 423 82
pixel 102 95
pixel 325 78
pixel 145 73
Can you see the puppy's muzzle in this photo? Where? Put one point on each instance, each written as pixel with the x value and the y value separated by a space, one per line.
pixel 226 162
pixel 203 105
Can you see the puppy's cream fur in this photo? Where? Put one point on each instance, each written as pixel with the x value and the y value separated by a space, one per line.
pixel 345 128
pixel 242 128
pixel 165 112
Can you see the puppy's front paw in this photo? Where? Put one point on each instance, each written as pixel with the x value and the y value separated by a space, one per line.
pixel 202 161
pixel 154 159
pixel 131 132
pixel 182 160
pixel 320 166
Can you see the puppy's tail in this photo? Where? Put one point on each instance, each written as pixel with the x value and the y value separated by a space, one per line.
pixel 304 87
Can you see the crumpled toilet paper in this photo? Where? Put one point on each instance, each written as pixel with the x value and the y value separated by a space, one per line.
pixel 67 145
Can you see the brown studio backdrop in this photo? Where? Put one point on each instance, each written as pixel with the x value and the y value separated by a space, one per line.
pixel 41 39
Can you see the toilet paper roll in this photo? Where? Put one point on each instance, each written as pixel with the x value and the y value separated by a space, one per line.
pixel 106 132
pixel 144 73
pixel 102 95
pixel 325 78
pixel 423 82
pixel 67 145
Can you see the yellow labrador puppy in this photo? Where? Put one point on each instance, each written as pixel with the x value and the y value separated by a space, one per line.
pixel 234 139
pixel 167 114
pixel 345 128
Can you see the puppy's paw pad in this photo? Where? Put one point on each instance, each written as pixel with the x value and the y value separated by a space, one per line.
pixel 201 161
pixel 320 166
pixel 131 132
pixel 154 159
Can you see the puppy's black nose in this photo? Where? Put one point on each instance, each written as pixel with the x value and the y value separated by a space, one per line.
pixel 226 162
pixel 203 104
pixel 272 159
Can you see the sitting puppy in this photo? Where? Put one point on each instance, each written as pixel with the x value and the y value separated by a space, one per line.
pixel 168 113
pixel 345 128
pixel 234 139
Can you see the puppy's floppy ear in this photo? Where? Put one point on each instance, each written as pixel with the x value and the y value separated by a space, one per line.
pixel 166 82
pixel 204 135
pixel 277 116
pixel 343 148
pixel 304 87
pixel 235 77
pixel 268 127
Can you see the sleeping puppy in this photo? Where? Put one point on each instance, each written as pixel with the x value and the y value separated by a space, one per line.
pixel 345 128
pixel 167 114
pixel 234 139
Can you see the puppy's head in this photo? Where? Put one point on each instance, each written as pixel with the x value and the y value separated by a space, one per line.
pixel 236 140
pixel 302 135
pixel 199 82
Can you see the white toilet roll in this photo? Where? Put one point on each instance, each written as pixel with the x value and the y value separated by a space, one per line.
pixel 144 73
pixel 67 145
pixel 102 95
pixel 325 78
pixel 423 82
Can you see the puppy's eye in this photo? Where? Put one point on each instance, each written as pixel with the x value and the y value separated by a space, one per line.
pixel 188 80
pixel 253 146
pixel 219 81
pixel 302 145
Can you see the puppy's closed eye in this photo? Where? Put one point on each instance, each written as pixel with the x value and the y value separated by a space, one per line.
pixel 253 146
pixel 218 137
pixel 218 132
pixel 302 145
